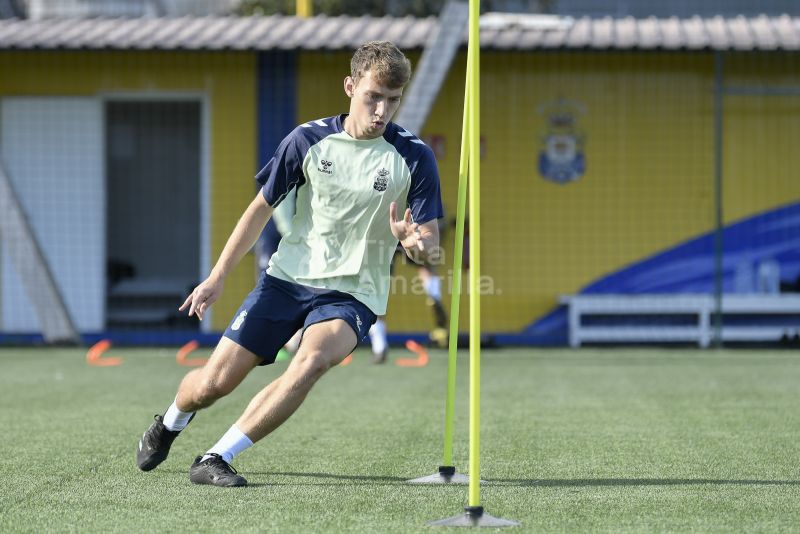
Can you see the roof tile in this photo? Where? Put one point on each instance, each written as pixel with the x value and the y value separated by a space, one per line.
pixel 337 33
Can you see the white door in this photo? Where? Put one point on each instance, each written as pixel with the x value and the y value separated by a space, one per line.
pixel 52 148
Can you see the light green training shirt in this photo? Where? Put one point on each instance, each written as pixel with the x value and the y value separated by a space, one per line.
pixel 340 238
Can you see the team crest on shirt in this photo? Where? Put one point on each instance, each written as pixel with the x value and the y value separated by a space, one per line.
pixel 325 167
pixel 561 157
pixel 381 180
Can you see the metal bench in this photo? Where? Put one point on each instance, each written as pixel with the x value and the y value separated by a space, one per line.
pixel 695 310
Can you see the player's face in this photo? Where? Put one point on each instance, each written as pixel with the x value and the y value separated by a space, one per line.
pixel 372 106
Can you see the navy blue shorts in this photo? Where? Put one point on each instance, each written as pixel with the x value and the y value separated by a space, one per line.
pixel 275 309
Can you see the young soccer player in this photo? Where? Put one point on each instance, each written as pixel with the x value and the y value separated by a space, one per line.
pixel 352 174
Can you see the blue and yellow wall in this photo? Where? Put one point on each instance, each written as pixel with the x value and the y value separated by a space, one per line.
pixel 645 126
pixel 647 131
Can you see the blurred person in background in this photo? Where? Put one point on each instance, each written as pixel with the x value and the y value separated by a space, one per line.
pixel 433 299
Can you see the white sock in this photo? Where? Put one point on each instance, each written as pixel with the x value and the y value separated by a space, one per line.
pixel 232 443
pixel 433 287
pixel 175 419
pixel 377 336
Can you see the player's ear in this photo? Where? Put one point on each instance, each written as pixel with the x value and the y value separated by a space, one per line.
pixel 349 86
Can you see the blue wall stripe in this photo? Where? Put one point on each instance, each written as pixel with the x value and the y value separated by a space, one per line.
pixel 277 100
pixel 277 116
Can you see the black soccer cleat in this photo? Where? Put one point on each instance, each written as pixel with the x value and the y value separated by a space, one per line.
pixel 215 471
pixel 154 445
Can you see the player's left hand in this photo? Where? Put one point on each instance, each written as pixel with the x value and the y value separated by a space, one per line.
pixel 405 230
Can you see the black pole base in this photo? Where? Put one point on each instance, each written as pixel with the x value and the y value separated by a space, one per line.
pixel 474 516
pixel 474 512
pixel 447 470
pixel 446 475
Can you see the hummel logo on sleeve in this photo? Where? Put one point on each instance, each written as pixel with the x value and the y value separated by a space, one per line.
pixel 325 166
pixel 318 122
pixel 406 133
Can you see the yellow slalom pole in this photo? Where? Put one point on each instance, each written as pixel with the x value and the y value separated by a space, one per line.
pixel 474 515
pixel 473 68
pixel 455 299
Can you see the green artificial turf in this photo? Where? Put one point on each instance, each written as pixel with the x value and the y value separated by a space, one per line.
pixel 571 441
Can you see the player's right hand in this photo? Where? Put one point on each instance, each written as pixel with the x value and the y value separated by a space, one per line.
pixel 203 297
pixel 405 230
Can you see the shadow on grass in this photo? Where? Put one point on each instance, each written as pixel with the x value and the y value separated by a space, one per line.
pixel 561 482
pixel 355 478
pixel 639 482
pixel 575 482
pixel 364 478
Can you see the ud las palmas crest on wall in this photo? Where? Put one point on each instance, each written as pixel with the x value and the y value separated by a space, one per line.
pixel 561 157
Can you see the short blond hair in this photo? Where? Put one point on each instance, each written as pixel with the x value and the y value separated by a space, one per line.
pixel 387 62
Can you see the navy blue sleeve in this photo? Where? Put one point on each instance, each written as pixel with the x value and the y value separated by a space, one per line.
pixel 424 195
pixel 285 170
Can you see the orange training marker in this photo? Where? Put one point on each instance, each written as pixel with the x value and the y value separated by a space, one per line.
pixel 347 360
pixel 422 356
pixel 182 357
pixel 95 355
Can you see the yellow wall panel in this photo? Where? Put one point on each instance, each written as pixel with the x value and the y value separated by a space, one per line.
pixel 649 171
pixel 761 131
pixel 648 184
pixel 761 158
pixel 320 84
